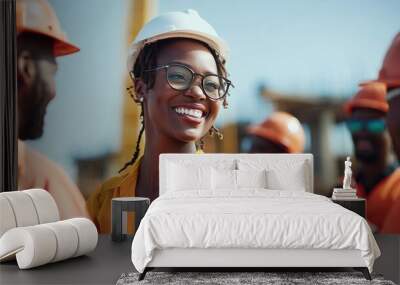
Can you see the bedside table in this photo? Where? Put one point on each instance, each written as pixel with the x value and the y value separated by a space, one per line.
pixel 358 205
pixel 120 205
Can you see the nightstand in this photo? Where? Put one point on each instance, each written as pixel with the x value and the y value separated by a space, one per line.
pixel 357 205
pixel 120 205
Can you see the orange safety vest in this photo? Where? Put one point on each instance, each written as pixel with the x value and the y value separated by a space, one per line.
pixel 382 200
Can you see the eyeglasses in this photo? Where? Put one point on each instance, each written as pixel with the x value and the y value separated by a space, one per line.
pixel 375 126
pixel 180 78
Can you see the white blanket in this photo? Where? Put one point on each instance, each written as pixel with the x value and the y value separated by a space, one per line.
pixel 250 218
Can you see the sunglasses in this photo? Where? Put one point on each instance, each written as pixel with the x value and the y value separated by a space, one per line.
pixel 180 78
pixel 376 126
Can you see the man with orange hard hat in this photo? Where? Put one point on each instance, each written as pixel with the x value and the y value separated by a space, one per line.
pixel 39 41
pixel 280 133
pixel 374 168
pixel 390 76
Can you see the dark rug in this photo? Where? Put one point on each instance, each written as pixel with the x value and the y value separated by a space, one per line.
pixel 229 278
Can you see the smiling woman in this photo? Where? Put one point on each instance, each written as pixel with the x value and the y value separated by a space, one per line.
pixel 177 65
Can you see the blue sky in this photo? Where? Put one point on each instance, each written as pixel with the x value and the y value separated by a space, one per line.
pixel 310 47
pixel 318 48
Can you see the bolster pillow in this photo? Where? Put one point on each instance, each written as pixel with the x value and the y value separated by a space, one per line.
pixel 40 244
pixel 26 208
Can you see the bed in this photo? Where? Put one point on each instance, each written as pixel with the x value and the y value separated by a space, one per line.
pixel 246 211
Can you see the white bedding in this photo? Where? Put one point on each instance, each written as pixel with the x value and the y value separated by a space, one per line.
pixel 251 218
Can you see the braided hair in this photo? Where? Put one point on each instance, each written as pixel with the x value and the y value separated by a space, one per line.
pixel 147 59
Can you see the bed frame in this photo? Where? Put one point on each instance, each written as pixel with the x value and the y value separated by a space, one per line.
pixel 248 259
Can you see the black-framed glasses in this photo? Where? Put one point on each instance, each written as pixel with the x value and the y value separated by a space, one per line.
pixel 375 126
pixel 180 78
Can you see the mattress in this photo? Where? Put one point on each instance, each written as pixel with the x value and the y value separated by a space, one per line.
pixel 251 219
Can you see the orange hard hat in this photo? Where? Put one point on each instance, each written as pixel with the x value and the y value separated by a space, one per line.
pixel 371 95
pixel 281 128
pixel 37 16
pixel 390 71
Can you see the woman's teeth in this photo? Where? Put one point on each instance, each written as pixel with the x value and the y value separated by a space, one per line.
pixel 190 112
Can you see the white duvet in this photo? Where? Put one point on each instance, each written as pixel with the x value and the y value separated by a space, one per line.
pixel 250 219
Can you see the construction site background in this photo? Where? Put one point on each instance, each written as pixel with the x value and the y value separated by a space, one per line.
pixel 100 122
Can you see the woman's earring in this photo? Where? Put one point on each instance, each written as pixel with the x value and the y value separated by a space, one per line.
pixel 214 131
pixel 132 94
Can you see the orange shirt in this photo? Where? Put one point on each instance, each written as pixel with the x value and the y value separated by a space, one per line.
pixel 37 171
pixel 392 221
pixel 382 200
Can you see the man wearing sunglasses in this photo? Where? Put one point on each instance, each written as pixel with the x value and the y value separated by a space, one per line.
pixel 366 123
pixel 390 76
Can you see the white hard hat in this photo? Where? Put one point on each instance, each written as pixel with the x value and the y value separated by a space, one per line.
pixel 187 24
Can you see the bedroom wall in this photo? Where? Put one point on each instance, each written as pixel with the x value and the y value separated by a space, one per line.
pixel 307 59
pixel 303 57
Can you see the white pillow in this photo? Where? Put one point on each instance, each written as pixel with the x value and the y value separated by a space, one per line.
pixel 188 177
pixel 251 178
pixel 224 179
pixel 293 180
pixel 281 174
